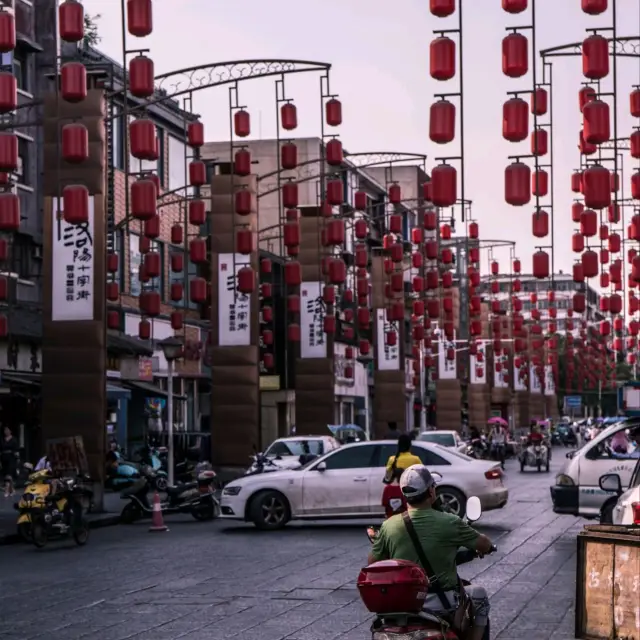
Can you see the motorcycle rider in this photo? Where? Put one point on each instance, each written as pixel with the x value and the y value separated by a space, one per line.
pixel 499 443
pixel 630 454
pixel 441 535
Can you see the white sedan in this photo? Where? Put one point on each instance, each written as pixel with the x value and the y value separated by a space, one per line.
pixel 450 439
pixel 626 511
pixel 347 483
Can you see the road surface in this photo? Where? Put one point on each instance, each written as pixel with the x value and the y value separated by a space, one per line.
pixel 222 580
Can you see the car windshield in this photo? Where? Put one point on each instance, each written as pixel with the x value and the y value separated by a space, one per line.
pixel 295 448
pixel 444 439
pixel 635 478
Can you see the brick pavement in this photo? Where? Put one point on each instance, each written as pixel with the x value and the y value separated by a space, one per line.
pixel 225 580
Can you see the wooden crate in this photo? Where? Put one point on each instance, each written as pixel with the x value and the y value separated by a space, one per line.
pixel 608 583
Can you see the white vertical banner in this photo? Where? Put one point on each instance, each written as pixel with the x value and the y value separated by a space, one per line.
pixel 534 380
pixel 478 364
pixel 519 379
pixel 234 307
pixel 447 369
pixel 549 382
pixel 388 356
pixel 72 266
pixel 313 340
pixel 500 370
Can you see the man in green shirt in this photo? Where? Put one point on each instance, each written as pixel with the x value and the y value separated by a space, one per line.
pixel 441 535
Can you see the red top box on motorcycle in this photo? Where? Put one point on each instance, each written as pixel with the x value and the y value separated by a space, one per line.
pixel 392 586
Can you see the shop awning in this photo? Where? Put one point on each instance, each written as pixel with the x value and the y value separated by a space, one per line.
pixel 121 343
pixel 150 390
pixel 116 392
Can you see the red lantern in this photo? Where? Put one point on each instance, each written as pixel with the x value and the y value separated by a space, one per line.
pixel 9 151
pixel 596 122
pixel 594 7
pixel 333 153
pixel 71 21
pixel 197 173
pixel 540 265
pixel 139 18
pixel 634 102
pixel 337 271
pixel 635 186
pixel 586 148
pixel 246 280
pixel 152 227
pixel 589 264
pixel 73 82
pixel 540 224
pixel 515 120
pixel 113 262
pixel 242 162
pixel 289 116
pixel 360 202
pixel 176 234
pixel 141 74
pixel 333 112
pixel 589 223
pixel 198 290
pixel 517 184
pixel 442 58
pixel 539 101
pixel 473 231
pixel 539 142
pixel 586 95
pixel 444 181
pixel 144 330
pixel 198 251
pixel 579 303
pixel 243 202
pixel 143 139
pixel 540 183
pixel 144 196
pixel 442 8
pixel 576 211
pixel 576 182
pixel 291 234
pixel 75 204
pixel 195 134
pixel 293 333
pixel 515 55
pixel 244 241
pixel 292 274
pixel 242 123
pixel 596 187
pixel 577 243
pixel 442 122
pixel 7 32
pixel 595 57
pixel 197 212
pixel 152 264
pixel 290 195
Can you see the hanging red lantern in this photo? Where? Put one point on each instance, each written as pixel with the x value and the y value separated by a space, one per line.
pixel 198 290
pixel 71 21
pixel 75 204
pixel 540 224
pixel 634 102
pixel 442 8
pixel 113 262
pixel 335 232
pixel 540 264
pixel 333 112
pixel 337 271
pixel 334 154
pixel 539 101
pixel 292 273
pixel 246 280
pixel 442 122
pixel 242 123
pixel 595 57
pixel 517 184
pixel 473 230
pixel 7 32
pixel 586 95
pixel 603 233
pixel 242 162
pixel 442 58
pixel 594 7
pixel 197 173
pixel 576 211
pixel 589 223
pixel 360 201
pixel 589 264
pixel 293 333
pixel 576 182
pixel 195 134
pixel 73 82
pixel 361 229
pixel 141 75
pixel 9 152
pixel 139 18
pixel 197 212
pixel 579 302
pixel 152 227
pixel 615 304
pixel 515 55
pixel 596 187
pixel 596 122
pixel 243 202
pixel 176 234
pixel 515 120
pixel 153 264
pixel 394 194
pixel 577 243
pixel 586 148
pixel 75 144
pixel 142 139
pixel 291 234
pixel 8 92
pixel 539 142
pixel 198 251
pixel 244 241
pixel 144 197
pixel 444 181
pixel 514 6
pixel 290 195
pixel 144 330
pixel 635 186
pixel 540 183
pixel 288 116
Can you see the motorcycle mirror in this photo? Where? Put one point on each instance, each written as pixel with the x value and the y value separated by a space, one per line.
pixel 372 533
pixel 474 509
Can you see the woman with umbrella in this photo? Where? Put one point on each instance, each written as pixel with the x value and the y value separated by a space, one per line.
pixel 499 428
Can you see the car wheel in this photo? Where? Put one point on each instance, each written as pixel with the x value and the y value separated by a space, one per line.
pixel 269 511
pixel 606 514
pixel 452 501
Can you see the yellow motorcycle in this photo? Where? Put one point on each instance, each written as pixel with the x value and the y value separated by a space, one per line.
pixel 33 500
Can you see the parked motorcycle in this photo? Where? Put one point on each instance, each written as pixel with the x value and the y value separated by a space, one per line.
pixel 196 498
pixel 535 455
pixel 261 464
pixel 63 513
pixel 127 473
pixel 477 448
pixel 396 590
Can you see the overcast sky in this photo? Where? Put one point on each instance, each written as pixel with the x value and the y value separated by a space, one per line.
pixel 379 52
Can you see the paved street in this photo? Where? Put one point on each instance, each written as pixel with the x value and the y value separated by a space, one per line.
pixel 224 580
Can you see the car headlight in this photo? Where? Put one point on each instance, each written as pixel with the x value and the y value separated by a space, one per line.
pixel 565 480
pixel 231 491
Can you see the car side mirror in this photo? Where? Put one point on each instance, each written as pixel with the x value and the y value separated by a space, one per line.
pixel 321 467
pixel 474 509
pixel 611 482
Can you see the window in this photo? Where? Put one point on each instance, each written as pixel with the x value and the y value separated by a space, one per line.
pixel 23 161
pixel 295 448
pixel 177 164
pixel 360 457
pixel 616 446
pixel 429 458
pixel 192 272
pixel 21 71
pixel 445 439
pixel 135 261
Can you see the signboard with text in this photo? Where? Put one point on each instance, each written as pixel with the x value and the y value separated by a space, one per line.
pixel 313 340
pixel 234 307
pixel 388 355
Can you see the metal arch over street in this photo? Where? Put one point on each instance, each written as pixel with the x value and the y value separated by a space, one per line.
pixel 623 46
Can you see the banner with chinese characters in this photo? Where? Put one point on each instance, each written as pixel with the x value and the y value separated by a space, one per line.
pixel 478 364
pixel 313 340
pixel 519 376
pixel 534 380
pixel 234 307
pixel 500 370
pixel 446 367
pixel 388 355
pixel 73 266
pixel 549 383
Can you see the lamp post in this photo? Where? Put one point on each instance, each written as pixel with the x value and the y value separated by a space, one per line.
pixel 172 349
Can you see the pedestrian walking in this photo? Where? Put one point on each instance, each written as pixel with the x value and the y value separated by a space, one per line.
pixel 9 449
pixel 499 443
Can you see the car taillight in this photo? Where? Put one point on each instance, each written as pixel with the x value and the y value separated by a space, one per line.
pixel 493 474
pixel 635 509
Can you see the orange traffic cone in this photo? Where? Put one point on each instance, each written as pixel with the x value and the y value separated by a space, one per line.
pixel 157 521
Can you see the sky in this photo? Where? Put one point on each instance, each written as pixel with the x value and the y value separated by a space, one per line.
pixel 379 52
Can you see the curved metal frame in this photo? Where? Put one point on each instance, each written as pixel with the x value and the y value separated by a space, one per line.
pixel 631 43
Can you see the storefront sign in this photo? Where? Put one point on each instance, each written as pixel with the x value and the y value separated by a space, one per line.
pixel 72 266
pixel 145 369
pixel 388 356
pixel 234 307
pixel 313 341
pixel 478 364
pixel 447 369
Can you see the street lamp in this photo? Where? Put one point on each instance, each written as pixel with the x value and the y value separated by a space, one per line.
pixel 172 349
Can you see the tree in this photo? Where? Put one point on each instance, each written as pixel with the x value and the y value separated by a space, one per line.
pixel 91 35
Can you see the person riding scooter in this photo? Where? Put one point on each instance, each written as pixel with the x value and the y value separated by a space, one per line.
pixel 440 535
